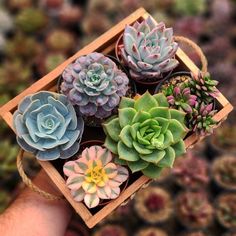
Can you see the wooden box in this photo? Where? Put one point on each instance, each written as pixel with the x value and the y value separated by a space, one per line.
pixel 106 45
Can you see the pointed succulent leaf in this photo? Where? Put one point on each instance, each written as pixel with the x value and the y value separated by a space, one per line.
pixel 179 148
pixel 152 171
pixel 160 112
pixel 137 165
pixel 145 102
pixel 113 129
pixel 111 145
pixel 154 157
pixel 141 116
pixel 177 115
pixel 168 159
pixel 126 137
pixel 177 129
pixel 161 100
pixel 126 116
pixel 126 153
pixel 126 102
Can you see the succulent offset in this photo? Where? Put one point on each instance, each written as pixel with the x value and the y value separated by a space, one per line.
pixel 202 121
pixel 47 125
pixel 95 84
pixel 181 98
pixel 146 135
pixel 149 49
pixel 203 86
pixel 93 176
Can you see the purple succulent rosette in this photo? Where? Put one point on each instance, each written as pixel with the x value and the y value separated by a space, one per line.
pixel 47 125
pixel 149 49
pixel 95 84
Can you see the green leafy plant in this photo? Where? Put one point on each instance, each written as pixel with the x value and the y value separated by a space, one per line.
pixel 146 135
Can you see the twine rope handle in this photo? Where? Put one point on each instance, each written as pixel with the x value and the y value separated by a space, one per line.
pixel 196 48
pixel 29 183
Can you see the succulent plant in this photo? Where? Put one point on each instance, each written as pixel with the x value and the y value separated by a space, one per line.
pixel 95 84
pixel 46 124
pixel 111 230
pixel 8 153
pixel 226 210
pixel 31 20
pixel 22 46
pixel 6 21
pixel 185 7
pixel 49 61
pixel 203 86
pixel 224 137
pixel 151 231
pixel 146 135
pixel 202 121
pixel 61 40
pixel 148 49
pixel 191 172
pixel 181 98
pixel 224 172
pixel 153 204
pixel 70 14
pixel 194 209
pixel 16 74
pixel 93 176
pixel 19 4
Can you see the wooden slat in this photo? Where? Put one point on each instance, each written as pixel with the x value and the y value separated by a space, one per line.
pixel 60 183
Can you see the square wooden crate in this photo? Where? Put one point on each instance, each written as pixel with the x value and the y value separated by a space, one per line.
pixel 106 45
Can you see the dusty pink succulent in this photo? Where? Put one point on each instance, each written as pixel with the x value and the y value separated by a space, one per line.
pixel 93 176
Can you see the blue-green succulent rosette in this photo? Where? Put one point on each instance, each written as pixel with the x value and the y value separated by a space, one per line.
pixel 47 125
pixel 146 135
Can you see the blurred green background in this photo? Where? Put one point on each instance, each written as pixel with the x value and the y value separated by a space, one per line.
pixel 36 36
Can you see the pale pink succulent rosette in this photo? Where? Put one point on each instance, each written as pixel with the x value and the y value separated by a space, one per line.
pixel 93 176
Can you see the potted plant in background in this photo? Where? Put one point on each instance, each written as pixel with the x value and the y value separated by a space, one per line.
pixel 224 172
pixel 148 50
pixel 191 172
pixel 151 231
pixel 194 210
pixel 153 205
pixel 195 233
pixel 226 210
pixel 111 230
pixel 224 138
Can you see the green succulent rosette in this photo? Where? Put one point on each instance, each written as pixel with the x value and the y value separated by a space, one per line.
pixel 146 135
